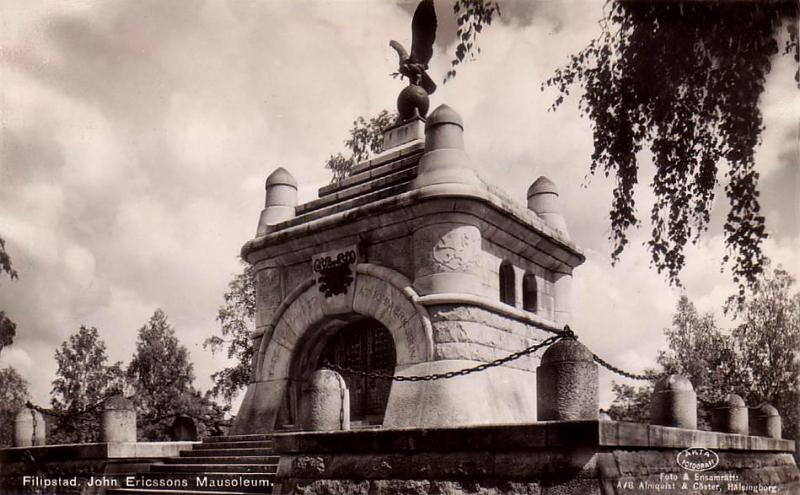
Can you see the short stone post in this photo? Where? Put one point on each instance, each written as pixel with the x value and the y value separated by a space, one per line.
pixel 730 416
pixel 765 421
pixel 118 422
pixel 566 383
pixel 674 403
pixel 326 402
pixel 29 428
pixel 183 429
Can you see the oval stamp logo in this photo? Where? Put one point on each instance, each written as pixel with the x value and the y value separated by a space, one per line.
pixel 697 459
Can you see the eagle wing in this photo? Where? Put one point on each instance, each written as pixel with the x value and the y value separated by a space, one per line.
pixel 401 52
pixel 423 31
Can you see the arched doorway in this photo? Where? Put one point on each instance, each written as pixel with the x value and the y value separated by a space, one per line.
pixel 363 345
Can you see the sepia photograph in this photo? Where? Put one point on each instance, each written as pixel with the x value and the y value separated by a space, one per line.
pixel 379 247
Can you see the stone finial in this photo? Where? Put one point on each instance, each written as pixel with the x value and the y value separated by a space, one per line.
pixel 280 202
pixel 326 402
pixel 445 161
pixel 412 102
pixel 730 416
pixel 674 403
pixel 118 423
pixel 29 428
pixel 567 383
pixel 444 130
pixel 543 200
pixel 765 421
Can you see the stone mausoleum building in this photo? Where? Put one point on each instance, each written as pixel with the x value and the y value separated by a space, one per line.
pixel 413 265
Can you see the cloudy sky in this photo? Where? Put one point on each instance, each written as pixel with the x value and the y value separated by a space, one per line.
pixel 136 137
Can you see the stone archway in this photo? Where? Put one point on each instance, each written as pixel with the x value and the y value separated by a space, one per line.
pixel 305 318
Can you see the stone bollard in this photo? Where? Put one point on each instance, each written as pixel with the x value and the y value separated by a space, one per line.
pixel 326 402
pixel 730 416
pixel 118 423
pixel 29 428
pixel 183 429
pixel 765 421
pixel 566 383
pixel 674 403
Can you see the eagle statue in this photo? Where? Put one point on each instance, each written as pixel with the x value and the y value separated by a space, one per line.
pixel 423 31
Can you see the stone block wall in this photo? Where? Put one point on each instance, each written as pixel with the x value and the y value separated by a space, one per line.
pixel 559 458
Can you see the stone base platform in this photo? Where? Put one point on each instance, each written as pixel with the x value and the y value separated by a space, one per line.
pixel 80 468
pixel 549 458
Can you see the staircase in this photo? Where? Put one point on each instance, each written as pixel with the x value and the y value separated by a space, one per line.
pixel 241 464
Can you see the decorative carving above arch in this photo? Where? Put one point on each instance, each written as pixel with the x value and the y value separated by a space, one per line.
pixel 379 293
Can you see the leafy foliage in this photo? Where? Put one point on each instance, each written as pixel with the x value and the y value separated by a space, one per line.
pixel 683 78
pixel 756 360
pixel 7 327
pixel 769 341
pixel 701 352
pixel 161 375
pixel 237 319
pixel 13 396
pixel 630 403
pixel 366 139
pixel 471 16
pixel 83 379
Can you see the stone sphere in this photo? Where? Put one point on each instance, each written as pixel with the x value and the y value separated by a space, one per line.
pixel 412 97
pixel 767 411
pixel 732 400
pixel 567 350
pixel 118 403
pixel 674 383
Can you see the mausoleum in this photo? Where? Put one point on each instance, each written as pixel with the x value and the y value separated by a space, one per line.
pixel 413 265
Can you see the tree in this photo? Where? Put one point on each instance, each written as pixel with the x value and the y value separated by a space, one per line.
pixel 769 341
pixel 366 139
pixel 757 359
pixel 161 375
pixel 700 351
pixel 7 327
pixel 630 403
pixel 237 320
pixel 683 79
pixel 83 379
pixel 13 396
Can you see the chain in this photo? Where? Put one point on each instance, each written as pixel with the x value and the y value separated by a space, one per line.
pixel 67 414
pixel 620 372
pixel 451 374
pixel 341 407
pixel 33 433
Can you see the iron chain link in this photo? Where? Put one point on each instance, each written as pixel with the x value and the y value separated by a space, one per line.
pixel 602 362
pixel 451 374
pixel 67 414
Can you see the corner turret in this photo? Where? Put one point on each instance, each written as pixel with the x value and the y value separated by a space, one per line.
pixel 280 202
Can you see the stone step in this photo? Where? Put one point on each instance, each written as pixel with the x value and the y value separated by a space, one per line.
pixel 269 459
pixel 254 437
pixel 398 177
pixel 207 481
pixel 258 444
pixel 371 174
pixel 214 468
pixel 148 491
pixel 225 452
